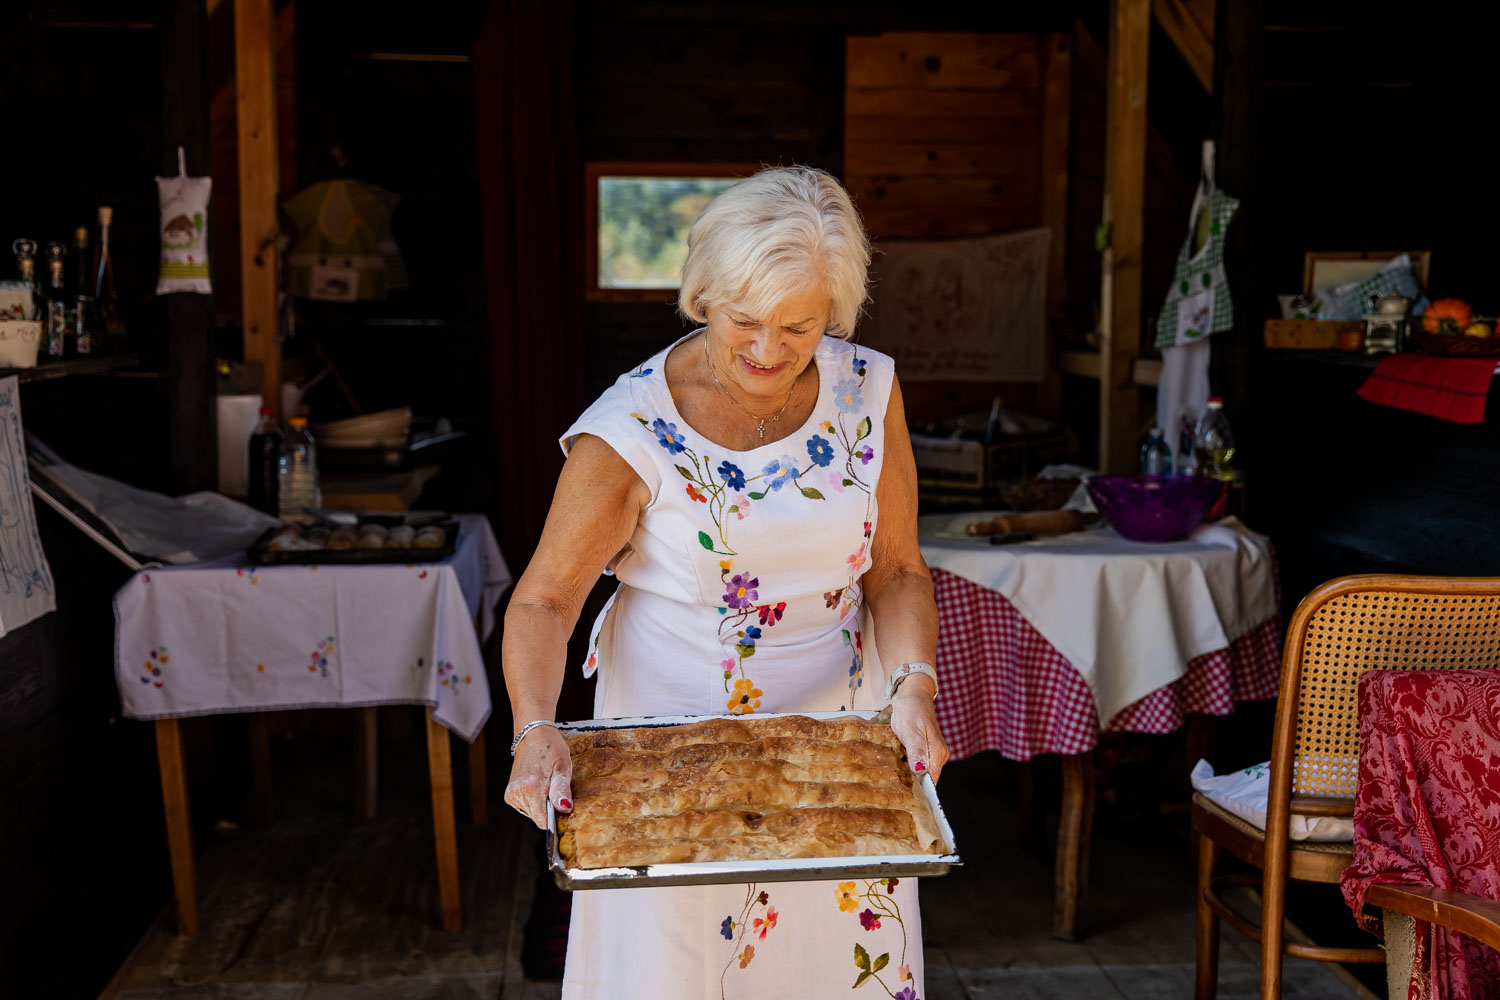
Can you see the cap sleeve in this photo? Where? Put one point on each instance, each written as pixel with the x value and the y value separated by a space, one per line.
pixel 612 418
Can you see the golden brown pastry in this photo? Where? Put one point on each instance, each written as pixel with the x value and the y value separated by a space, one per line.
pixel 742 789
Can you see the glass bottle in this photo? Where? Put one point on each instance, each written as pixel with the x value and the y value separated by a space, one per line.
pixel 1156 456
pixel 85 318
pixel 106 298
pixel 55 320
pixel 1213 443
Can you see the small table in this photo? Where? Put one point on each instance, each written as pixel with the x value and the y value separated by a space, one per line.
pixel 1044 644
pixel 225 637
pixel 1427 808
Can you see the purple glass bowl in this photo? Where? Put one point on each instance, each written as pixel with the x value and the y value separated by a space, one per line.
pixel 1154 508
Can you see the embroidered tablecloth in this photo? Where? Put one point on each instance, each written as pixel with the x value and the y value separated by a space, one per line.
pixel 229 637
pixel 1427 811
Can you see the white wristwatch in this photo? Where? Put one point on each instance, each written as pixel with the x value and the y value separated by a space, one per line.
pixel 904 671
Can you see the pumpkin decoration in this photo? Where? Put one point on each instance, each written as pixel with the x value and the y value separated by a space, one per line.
pixel 1447 316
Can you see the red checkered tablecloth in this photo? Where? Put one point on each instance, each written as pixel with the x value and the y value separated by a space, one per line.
pixel 1004 687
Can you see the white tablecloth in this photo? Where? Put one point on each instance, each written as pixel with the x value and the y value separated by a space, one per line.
pixel 228 637
pixel 1129 616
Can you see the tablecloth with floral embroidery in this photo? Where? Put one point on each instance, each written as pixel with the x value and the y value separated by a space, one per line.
pixel 1427 811
pixel 229 637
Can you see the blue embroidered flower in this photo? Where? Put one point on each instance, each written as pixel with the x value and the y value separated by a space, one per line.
pixel 733 475
pixel 752 632
pixel 781 471
pixel 820 450
pixel 642 373
pixel 859 365
pixel 667 436
pixel 727 928
pixel 846 396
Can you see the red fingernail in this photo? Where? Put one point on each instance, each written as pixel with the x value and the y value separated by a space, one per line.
pixel 919 767
pixel 565 803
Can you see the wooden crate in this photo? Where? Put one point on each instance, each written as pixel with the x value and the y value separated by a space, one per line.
pixel 1304 334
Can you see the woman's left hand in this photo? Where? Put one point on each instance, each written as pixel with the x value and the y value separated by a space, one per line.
pixel 914 721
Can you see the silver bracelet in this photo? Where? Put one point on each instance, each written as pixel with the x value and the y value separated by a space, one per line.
pixel 904 671
pixel 526 729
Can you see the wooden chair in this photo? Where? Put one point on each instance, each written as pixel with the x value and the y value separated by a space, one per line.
pixel 1341 629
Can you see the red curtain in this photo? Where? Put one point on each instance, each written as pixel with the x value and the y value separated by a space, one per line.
pixel 530 195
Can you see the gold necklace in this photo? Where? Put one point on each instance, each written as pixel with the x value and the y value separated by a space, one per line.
pixel 760 422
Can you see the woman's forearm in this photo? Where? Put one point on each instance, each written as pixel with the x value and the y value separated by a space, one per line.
pixel 534 655
pixel 906 618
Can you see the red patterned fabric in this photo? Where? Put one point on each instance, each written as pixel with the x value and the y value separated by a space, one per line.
pixel 1006 688
pixel 1447 388
pixel 1427 811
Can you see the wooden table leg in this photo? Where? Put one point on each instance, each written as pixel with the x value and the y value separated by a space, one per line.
pixel 1202 740
pixel 479 783
pixel 1073 831
pixel 1029 819
pixel 365 744
pixel 440 767
pixel 174 796
pixel 260 768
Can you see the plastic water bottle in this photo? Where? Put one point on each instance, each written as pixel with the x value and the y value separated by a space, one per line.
pixel 299 472
pixel 1156 457
pixel 1213 442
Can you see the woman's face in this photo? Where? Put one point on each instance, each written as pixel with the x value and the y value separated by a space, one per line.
pixel 763 355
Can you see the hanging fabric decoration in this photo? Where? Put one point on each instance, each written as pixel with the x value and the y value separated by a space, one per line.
pixel 1198 302
pixel 184 231
pixel 344 249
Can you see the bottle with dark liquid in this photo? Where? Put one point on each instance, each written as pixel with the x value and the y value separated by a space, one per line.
pixel 30 301
pixel 82 339
pixel 55 319
pixel 106 300
pixel 266 447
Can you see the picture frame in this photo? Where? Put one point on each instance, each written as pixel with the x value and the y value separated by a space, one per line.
pixel 643 271
pixel 1323 268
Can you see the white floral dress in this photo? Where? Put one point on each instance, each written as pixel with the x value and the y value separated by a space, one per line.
pixel 740 592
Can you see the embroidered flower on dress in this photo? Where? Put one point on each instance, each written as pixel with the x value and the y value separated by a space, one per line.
pixel 692 491
pixel 725 565
pixel 749 635
pixel 746 699
pixel 742 592
pixel 820 451
pixel 903 973
pixel 781 471
pixel 847 396
pixel 763 898
pixel 727 928
pixel 827 426
pixel 909 993
pixel 848 899
pixel 869 921
pixel 728 665
pixel 741 506
pixel 831 598
pixel 866 455
pixel 859 365
pixel 770 614
pixel 890 890
pixel 642 373
pixel 749 953
pixel 836 480
pixel 857 559
pixel 733 475
pixel 766 923
pixel 667 436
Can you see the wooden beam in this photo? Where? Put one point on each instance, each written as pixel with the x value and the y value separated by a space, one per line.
pixel 255 105
pixel 1057 72
pixel 1190 26
pixel 1124 211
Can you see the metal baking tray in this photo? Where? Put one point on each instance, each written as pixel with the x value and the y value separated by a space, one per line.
pixel 262 556
pixel 730 872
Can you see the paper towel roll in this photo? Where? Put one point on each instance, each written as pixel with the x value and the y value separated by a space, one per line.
pixel 237 416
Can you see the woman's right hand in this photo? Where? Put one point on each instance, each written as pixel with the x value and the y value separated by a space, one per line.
pixel 542 770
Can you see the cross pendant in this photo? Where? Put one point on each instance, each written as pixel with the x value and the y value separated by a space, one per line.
pixel 762 428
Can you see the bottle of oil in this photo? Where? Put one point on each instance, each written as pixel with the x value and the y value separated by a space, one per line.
pixel 1213 443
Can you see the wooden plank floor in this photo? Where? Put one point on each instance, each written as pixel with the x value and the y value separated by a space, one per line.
pixel 320 907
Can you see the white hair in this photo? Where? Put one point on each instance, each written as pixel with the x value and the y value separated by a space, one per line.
pixel 773 235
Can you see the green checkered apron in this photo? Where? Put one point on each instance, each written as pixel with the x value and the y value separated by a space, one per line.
pixel 1198 302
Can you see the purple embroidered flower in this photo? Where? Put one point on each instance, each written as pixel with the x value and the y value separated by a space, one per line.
pixel 742 592
pixel 781 471
pixel 907 993
pixel 866 455
pixel 847 396
pixel 820 451
pixel 733 475
pixel 727 928
pixel 869 921
pixel 667 436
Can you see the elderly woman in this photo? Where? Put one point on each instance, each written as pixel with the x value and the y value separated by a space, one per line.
pixel 752 488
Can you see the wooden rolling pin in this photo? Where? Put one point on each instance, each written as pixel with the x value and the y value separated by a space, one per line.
pixel 1037 522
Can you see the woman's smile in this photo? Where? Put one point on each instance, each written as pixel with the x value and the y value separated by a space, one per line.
pixel 755 370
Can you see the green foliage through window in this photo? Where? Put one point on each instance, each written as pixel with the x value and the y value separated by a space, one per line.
pixel 643 227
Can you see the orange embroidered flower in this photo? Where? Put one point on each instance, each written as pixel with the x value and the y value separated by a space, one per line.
pixel 747 955
pixel 903 973
pixel 766 923
pixel 848 900
pixel 725 565
pixel 693 492
pixel 745 699
pixel 827 426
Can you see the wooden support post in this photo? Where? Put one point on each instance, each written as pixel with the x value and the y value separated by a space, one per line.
pixel 179 819
pixel 479 782
pixel 260 768
pixel 444 834
pixel 365 747
pixel 255 105
pixel 1057 71
pixel 1206 983
pixel 1124 212
pixel 1073 830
